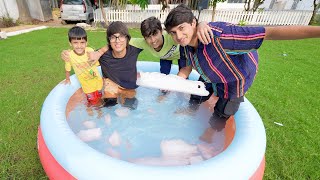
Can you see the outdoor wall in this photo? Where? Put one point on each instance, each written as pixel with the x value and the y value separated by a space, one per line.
pixel 9 7
pixel 306 5
pixel 35 9
pixel 40 9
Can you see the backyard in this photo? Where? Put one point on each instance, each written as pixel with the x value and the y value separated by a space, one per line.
pixel 285 91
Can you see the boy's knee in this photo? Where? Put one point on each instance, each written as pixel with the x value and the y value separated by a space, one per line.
pixel 110 102
pixel 223 110
pixel 227 107
pixel 131 103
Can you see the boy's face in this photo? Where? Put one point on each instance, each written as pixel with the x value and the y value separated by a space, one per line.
pixel 155 41
pixel 183 33
pixel 78 45
pixel 118 42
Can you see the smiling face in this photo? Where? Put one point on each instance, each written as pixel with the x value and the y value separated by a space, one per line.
pixel 79 45
pixel 184 34
pixel 155 40
pixel 118 43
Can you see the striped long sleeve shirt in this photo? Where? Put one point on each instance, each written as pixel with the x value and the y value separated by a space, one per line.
pixel 230 61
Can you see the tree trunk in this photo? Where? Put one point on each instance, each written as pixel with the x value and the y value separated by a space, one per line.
pixel 314 12
pixel 103 14
pixel 214 5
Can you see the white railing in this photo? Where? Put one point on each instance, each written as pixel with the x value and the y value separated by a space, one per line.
pixel 233 16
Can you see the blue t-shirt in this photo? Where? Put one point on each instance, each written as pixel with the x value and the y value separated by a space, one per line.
pixel 230 61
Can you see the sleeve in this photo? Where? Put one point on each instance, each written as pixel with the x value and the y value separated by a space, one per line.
pixel 183 57
pixel 138 43
pixel 67 64
pixel 238 38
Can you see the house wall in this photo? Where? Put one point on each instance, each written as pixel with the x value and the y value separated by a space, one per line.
pixel 40 9
pixel 35 9
pixel 287 5
pixel 9 7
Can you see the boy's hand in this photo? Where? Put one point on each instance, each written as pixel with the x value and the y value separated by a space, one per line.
pixel 208 135
pixel 94 55
pixel 67 81
pixel 65 55
pixel 204 33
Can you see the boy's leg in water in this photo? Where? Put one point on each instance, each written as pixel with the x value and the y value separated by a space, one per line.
pixel 195 100
pixel 127 98
pixel 223 109
pixel 165 68
pixel 111 91
pixel 108 102
pixel 131 103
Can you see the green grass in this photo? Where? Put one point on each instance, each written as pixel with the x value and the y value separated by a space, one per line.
pixel 286 90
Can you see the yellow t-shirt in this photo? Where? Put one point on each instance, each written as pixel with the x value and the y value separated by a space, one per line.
pixel 87 74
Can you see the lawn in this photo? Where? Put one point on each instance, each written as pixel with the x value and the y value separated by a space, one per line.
pixel 286 90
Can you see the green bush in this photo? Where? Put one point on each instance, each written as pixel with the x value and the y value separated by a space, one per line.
pixel 317 20
pixel 242 23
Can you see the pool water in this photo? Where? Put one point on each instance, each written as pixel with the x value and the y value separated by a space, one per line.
pixel 154 131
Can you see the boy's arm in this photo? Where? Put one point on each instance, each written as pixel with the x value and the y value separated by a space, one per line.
pixel 185 71
pixel 67 81
pixel 65 55
pixel 292 32
pixel 94 56
pixel 204 32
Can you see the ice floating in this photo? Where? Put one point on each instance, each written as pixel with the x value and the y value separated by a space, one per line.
pixel 159 161
pixel 177 148
pixel 90 134
pixel 122 112
pixel 113 153
pixel 115 139
pixel 107 119
pixel 172 83
pixel 89 124
pixel 195 159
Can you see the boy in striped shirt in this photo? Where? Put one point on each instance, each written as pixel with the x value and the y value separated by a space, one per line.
pixel 229 60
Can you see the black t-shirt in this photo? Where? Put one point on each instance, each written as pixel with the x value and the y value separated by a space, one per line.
pixel 122 71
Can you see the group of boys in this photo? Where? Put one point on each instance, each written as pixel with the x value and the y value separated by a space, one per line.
pixel 225 57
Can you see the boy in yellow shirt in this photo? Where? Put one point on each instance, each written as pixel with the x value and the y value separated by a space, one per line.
pixel 87 74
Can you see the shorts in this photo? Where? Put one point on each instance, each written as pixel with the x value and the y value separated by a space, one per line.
pixel 113 90
pixel 94 97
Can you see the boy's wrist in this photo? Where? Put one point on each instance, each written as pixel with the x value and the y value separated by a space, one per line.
pixel 99 52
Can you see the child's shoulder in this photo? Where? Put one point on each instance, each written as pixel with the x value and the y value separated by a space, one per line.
pixel 89 49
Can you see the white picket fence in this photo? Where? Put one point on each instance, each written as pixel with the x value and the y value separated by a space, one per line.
pixel 233 16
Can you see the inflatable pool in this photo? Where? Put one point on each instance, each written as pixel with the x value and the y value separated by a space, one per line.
pixel 64 156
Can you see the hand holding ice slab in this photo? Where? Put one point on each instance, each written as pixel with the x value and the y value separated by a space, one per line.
pixel 172 83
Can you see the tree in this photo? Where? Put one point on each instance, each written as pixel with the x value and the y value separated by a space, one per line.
pixel 213 3
pixel 316 7
pixel 142 3
pixel 119 4
pixel 101 4
pixel 256 4
pixel 164 4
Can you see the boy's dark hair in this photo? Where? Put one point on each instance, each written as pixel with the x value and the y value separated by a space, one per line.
pixel 117 27
pixel 177 16
pixel 150 26
pixel 77 33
